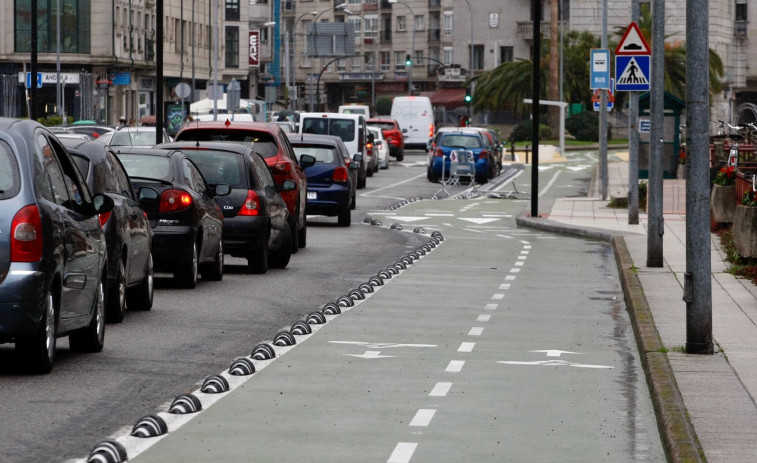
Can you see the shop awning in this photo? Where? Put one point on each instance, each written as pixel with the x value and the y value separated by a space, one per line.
pixel 450 98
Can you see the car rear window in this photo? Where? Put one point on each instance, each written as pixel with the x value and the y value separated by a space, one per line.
pixel 133 138
pixel 382 125
pixel 342 128
pixel 262 142
pixel 219 166
pixel 322 153
pixel 9 176
pixel 461 141
pixel 146 166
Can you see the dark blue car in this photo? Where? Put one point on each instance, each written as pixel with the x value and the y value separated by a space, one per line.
pixel 53 261
pixel 460 141
pixel 331 182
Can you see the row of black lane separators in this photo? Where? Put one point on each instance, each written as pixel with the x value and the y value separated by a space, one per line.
pixel 184 407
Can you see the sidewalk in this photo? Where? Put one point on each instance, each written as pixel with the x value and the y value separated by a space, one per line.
pixel 717 392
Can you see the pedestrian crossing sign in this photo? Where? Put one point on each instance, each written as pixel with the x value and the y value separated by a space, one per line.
pixel 632 73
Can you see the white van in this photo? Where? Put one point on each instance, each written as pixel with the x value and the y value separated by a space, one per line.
pixel 415 117
pixel 361 109
pixel 349 127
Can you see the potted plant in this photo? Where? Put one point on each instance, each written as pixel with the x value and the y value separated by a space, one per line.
pixel 723 195
pixel 745 224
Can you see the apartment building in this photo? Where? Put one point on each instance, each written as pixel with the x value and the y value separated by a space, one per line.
pixel 107 54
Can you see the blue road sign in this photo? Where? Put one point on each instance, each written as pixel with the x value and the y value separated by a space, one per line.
pixel 600 68
pixel 29 80
pixel 632 73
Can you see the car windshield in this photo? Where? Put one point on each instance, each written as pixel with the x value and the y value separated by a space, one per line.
pixel 146 166
pixel 133 138
pixel 219 166
pixel 322 153
pixel 9 175
pixel 342 128
pixel 262 142
pixel 461 141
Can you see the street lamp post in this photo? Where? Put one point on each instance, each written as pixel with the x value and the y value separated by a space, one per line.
pixel 343 7
pixel 412 46
pixel 293 66
pixel 470 50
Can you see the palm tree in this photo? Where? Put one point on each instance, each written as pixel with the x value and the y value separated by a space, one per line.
pixel 553 93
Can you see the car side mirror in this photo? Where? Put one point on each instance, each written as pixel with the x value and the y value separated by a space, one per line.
pixel 307 160
pixel 102 203
pixel 148 199
pixel 221 189
pixel 358 158
pixel 289 185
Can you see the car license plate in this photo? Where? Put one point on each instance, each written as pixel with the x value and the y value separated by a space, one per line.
pixel 312 195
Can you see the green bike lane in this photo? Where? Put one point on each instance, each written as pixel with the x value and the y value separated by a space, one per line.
pixel 500 344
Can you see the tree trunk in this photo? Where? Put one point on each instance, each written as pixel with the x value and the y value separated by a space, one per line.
pixel 553 90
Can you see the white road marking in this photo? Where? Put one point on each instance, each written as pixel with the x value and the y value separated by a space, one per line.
pixel 477 221
pixel 403 452
pixel 491 306
pixel 381 345
pixel 440 390
pixel 466 347
pixel 550 183
pixel 558 363
pixel 514 270
pixel 484 318
pixel 554 352
pixel 476 331
pixel 504 286
pixel 519 264
pixel 423 417
pixel 371 354
pixel 455 366
pixel 411 179
pixel 510 278
pixel 522 257
pixel 498 296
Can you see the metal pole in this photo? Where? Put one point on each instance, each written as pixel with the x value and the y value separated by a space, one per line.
pixel 603 115
pixel 633 141
pixel 697 279
pixel 536 86
pixel 159 111
pixel 33 66
pixel 287 82
pixel 654 192
pixel 215 59
pixel 59 100
pixel 470 50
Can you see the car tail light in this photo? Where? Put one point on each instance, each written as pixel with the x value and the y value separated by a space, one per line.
pixel 483 155
pixel 431 131
pixel 282 167
pixel 251 204
pixel 369 146
pixel 340 175
pixel 104 218
pixel 439 153
pixel 174 201
pixel 26 235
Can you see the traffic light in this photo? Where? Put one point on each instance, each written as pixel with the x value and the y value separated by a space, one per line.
pixel 468 96
pixel 408 61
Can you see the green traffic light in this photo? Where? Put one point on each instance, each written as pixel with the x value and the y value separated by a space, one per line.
pixel 408 61
pixel 468 98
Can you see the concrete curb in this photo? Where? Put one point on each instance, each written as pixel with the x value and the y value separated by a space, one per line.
pixel 677 433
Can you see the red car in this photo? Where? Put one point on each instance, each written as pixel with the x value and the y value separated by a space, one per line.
pixel 270 141
pixel 392 134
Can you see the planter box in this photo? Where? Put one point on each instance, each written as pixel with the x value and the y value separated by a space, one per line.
pixel 745 231
pixel 722 203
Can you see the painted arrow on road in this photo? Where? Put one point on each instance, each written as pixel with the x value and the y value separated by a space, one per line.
pixel 371 354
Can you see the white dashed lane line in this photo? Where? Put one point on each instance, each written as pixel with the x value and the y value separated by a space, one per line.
pixel 476 331
pixel 423 417
pixel 483 318
pixel 455 366
pixel 403 452
pixel 466 347
pixel 441 389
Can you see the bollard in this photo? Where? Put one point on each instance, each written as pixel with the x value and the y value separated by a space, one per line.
pixel 512 150
pixel 527 148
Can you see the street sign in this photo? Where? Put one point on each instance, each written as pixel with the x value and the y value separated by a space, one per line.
pixel 645 125
pixel 29 80
pixel 632 73
pixel 597 97
pixel 633 42
pixel 600 68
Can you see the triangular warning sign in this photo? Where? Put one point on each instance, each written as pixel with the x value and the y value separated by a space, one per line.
pixel 633 42
pixel 632 74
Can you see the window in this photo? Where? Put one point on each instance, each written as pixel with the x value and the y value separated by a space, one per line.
pixel 386 60
pixel 399 60
pixel 232 10
pixel 357 24
pixel 232 46
pixel 371 25
pixel 418 59
pixel 357 63
pixel 341 65
pixel 75 26
pixel 419 25
pixel 370 61
pixel 401 26
pixel 447 57
pixel 505 55
pixel 741 10
pixel 448 23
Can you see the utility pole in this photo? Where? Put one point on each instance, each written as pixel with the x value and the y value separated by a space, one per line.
pixel 633 140
pixel 697 279
pixel 603 114
pixel 159 111
pixel 33 67
pixel 535 86
pixel 656 226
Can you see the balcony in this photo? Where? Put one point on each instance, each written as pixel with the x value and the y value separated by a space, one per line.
pixel 385 36
pixel 434 35
pixel 434 3
pixel 740 29
pixel 526 29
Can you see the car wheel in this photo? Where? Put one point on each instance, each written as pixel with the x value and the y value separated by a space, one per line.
pixel 431 175
pixel 400 156
pixel 353 204
pixel 117 296
pixel 257 261
pixel 345 217
pixel 140 297
pixel 361 180
pixel 280 258
pixel 186 275
pixel 302 235
pixel 38 351
pixel 296 236
pixel 92 337
pixel 369 171
pixel 214 270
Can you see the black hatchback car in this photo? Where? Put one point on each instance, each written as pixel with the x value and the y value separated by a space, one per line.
pixel 186 221
pixel 127 230
pixel 53 262
pixel 255 216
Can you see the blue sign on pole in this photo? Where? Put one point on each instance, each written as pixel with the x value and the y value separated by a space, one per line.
pixel 600 68
pixel 29 80
pixel 632 73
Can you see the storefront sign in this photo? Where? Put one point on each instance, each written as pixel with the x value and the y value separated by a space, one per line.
pixel 254 48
